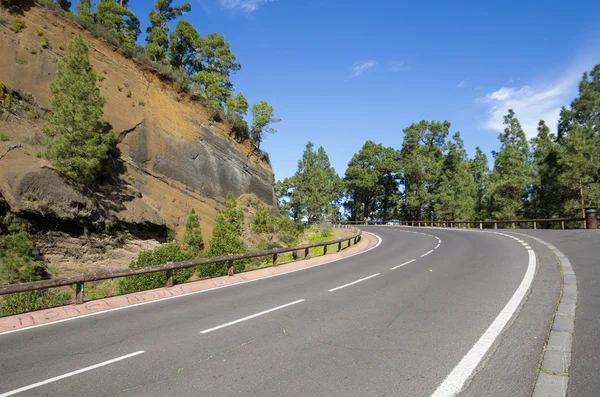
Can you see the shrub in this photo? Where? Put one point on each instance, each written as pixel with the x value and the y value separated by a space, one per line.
pixel 156 257
pixel 45 43
pixel 33 300
pixel 325 230
pixel 3 137
pixel 264 221
pixel 129 94
pixel 39 31
pixel 192 238
pixel 17 265
pixel 18 25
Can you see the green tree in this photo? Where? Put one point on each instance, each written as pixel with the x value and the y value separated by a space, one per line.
pixel 263 117
pixel 17 264
pixel 121 22
pixel 263 221
pixel 158 31
pixel 423 158
pixel 226 239
pixel 192 238
pixel 512 175
pixel 237 108
pixel 579 138
pixel 315 190
pixel 456 195
pixel 372 182
pixel 546 193
pixel 184 47
pixel 84 10
pixel 478 167
pixel 78 141
pixel 64 4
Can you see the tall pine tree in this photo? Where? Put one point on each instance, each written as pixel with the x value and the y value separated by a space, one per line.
pixel 79 141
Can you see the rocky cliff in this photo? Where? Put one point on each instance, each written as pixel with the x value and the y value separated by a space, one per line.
pixel 173 155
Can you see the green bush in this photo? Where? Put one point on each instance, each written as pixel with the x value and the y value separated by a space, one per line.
pixel 264 221
pixel 325 230
pixel 192 238
pixel 17 265
pixel 18 25
pixel 156 257
pixel 3 137
pixel 33 300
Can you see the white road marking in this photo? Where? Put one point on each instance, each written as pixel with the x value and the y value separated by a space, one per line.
pixel 427 253
pixel 379 240
pixel 354 282
pixel 454 382
pixel 437 246
pixel 206 331
pixel 45 382
pixel 405 263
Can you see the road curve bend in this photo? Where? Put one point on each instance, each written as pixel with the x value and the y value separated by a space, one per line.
pixel 428 312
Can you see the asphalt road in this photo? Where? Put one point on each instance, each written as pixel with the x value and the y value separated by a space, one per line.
pixel 349 328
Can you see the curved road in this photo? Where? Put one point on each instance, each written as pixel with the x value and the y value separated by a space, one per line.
pixel 394 321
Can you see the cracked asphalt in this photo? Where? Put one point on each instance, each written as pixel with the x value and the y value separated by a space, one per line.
pixel 396 334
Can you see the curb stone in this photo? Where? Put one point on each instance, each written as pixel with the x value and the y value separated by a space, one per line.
pixel 553 377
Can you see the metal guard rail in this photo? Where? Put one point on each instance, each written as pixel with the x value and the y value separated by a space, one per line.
pixel 80 279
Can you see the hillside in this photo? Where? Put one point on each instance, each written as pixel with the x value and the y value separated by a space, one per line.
pixel 173 155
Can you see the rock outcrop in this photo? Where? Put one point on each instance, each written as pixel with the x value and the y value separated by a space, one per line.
pixel 173 155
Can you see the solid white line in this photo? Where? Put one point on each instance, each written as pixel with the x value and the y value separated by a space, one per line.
pixel 405 263
pixel 437 246
pixel 354 282
pixel 379 240
pixel 427 253
pixel 45 382
pixel 206 331
pixel 454 382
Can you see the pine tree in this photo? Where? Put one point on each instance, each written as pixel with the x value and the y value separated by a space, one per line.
pixel 192 238
pixel 546 193
pixel 79 141
pixel 579 138
pixel 512 175
pixel 227 233
pixel 121 22
pixel 17 265
pixel 315 190
pixel 478 167
pixel 64 4
pixel 158 31
pixel 455 198
pixel 263 116
pixel 84 10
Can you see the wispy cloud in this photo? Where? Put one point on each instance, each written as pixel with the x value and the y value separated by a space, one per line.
pixel 399 66
pixel 360 67
pixel 244 5
pixel 462 84
pixel 531 103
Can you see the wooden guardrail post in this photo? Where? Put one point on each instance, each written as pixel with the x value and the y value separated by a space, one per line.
pixel 495 225
pixel 562 224
pixel 306 252
pixel 79 293
pixel 169 274
pixel 325 249
pixel 534 225
pixel 339 246
pixel 230 267
pixel 274 259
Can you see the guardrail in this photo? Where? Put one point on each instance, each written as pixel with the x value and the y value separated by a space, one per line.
pixel 168 268
pixel 480 224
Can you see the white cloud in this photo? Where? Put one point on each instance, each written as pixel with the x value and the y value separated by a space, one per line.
pixel 245 5
pixel 399 66
pixel 360 67
pixel 531 103
pixel 462 84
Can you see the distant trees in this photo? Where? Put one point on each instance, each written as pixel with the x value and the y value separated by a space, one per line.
pixel 120 21
pixel 79 142
pixel 315 190
pixel 158 31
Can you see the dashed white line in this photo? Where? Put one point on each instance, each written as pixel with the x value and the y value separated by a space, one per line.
pixel 354 282
pixel 206 331
pixel 427 253
pixel 45 382
pixel 405 263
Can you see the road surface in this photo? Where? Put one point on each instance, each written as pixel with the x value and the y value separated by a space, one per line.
pixel 426 311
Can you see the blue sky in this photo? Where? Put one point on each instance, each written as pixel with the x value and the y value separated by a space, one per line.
pixel 342 72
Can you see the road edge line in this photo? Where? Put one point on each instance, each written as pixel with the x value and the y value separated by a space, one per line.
pixel 553 372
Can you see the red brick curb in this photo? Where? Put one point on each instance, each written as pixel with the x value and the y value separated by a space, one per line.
pixel 64 313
